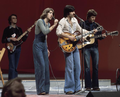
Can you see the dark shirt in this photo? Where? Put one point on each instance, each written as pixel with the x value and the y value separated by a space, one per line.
pixel 90 26
pixel 12 32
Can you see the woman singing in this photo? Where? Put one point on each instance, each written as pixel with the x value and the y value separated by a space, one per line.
pixel 41 52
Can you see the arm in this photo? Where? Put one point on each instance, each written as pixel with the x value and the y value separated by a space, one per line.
pixel 54 25
pixel 44 29
pixel 99 33
pixel 47 48
pixel 4 37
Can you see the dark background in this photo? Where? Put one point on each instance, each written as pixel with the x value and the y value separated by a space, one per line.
pixel 28 11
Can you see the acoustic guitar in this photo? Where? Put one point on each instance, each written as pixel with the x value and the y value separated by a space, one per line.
pixel 68 46
pixel 90 39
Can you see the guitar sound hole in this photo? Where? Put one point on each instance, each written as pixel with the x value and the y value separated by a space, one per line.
pixel 88 38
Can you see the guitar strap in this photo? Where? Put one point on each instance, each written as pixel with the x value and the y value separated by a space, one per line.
pixel 45 36
pixel 44 23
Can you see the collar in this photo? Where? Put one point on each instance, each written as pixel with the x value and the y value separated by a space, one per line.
pixel 73 19
pixel 87 22
pixel 10 27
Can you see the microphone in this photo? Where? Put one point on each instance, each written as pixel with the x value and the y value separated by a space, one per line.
pixel 53 18
pixel 78 18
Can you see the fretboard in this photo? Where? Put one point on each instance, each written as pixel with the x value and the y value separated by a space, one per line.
pixel 24 33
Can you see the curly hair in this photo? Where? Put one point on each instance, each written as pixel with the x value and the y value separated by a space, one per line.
pixel 90 13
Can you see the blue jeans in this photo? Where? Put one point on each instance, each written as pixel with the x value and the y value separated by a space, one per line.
pixel 41 64
pixel 72 71
pixel 13 63
pixel 93 52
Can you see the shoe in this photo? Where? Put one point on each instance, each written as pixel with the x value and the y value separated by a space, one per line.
pixel 46 93
pixel 69 93
pixel 88 89
pixel 77 91
pixel 43 93
pixel 96 89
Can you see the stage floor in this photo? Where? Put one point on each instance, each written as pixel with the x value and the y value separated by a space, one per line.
pixel 57 88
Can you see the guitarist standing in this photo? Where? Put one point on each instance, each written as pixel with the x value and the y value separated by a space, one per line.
pixel 91 50
pixel 72 68
pixel 10 34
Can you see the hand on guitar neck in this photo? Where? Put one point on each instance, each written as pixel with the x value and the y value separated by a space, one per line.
pixel 29 29
pixel 94 31
pixel 104 35
pixel 11 46
pixel 14 39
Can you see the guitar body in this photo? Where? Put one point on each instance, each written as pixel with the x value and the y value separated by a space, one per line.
pixel 66 45
pixel 11 46
pixel 90 39
pixel 87 41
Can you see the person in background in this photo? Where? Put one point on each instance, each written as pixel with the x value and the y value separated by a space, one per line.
pixel 91 50
pixel 10 34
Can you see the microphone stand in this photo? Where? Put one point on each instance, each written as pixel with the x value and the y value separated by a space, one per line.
pixel 82 90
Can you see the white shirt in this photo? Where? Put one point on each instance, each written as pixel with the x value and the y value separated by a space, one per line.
pixel 65 26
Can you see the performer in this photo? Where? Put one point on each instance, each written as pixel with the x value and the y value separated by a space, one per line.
pixel 72 68
pixel 91 50
pixel 41 52
pixel 10 34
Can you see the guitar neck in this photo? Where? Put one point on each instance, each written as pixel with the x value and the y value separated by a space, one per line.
pixel 100 28
pixel 98 36
pixel 24 33
pixel 80 36
pixel 90 32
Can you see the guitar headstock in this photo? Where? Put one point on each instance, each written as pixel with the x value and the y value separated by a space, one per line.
pixel 100 28
pixel 114 33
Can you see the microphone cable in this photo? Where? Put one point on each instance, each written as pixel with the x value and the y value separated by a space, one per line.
pixel 54 76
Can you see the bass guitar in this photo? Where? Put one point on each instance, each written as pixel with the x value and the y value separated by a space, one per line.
pixel 68 46
pixel 90 39
pixel 11 46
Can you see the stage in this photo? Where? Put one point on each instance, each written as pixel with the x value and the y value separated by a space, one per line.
pixel 57 87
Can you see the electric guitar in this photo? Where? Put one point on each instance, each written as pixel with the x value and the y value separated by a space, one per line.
pixel 68 46
pixel 90 39
pixel 11 46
